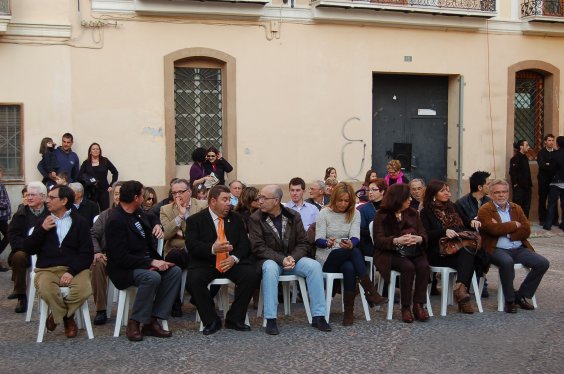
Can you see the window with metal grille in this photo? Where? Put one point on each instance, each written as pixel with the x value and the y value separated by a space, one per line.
pixel 198 110
pixel 11 141
pixel 529 108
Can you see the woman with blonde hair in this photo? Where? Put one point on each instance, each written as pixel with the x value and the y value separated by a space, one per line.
pixel 337 236
pixel 395 174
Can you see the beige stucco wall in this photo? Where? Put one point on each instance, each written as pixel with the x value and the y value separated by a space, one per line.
pixel 294 93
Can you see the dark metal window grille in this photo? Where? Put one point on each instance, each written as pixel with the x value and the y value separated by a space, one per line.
pixel 552 8
pixel 11 141
pixel 529 108
pixel 198 103
pixel 482 5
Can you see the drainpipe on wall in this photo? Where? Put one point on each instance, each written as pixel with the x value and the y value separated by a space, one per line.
pixel 460 130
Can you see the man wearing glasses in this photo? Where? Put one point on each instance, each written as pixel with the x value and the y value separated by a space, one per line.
pixel 280 244
pixel 29 215
pixel 317 195
pixel 64 252
pixel 505 230
pixel 173 218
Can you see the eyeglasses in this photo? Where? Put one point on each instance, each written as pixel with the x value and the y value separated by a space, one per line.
pixel 32 195
pixel 374 189
pixel 262 198
pixel 178 192
pixel 49 197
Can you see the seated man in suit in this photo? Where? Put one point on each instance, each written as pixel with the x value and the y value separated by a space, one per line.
pixel 134 261
pixel 218 247
pixel 280 244
pixel 27 216
pixel 85 208
pixel 505 230
pixel 173 218
pixel 64 252
pixel 98 268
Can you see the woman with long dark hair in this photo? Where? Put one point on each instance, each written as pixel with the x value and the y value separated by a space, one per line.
pixel 441 219
pixel 94 175
pixel 337 235
pixel 400 241
pixel 216 164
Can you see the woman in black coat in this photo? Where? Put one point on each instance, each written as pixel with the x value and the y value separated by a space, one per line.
pixel 94 175
pixel 441 219
pixel 216 164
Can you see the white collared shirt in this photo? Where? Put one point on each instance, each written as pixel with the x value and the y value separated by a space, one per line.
pixel 63 225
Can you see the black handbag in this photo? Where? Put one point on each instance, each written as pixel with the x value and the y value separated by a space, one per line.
pixel 409 250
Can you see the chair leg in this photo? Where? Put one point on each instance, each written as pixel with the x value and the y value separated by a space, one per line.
pixel 305 298
pixel 477 294
pixel 500 298
pixel 328 296
pixel 120 312
pixel 260 305
pixel 429 308
pixel 286 297
pixel 110 298
pixel 164 324
pixel 30 298
pixel 294 292
pixel 364 303
pixel 86 319
pixel 183 285
pixel 391 295
pixel 43 313
pixel 444 292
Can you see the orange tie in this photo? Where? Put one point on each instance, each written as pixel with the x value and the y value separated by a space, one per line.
pixel 221 236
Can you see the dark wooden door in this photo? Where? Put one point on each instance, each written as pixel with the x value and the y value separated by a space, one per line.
pixel 409 123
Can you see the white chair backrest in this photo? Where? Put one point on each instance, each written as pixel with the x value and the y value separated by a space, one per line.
pixel 371 229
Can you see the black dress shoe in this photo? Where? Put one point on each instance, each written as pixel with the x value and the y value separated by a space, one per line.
pixel 320 323
pixel 271 327
pixel 236 326
pixel 22 305
pixel 510 307
pixel 14 296
pixel 176 309
pixel 213 327
pixel 100 318
pixel 524 304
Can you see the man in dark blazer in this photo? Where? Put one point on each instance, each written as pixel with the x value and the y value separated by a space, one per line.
pixel 85 208
pixel 134 261
pixel 203 232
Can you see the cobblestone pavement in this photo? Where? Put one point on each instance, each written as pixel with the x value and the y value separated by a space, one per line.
pixel 526 342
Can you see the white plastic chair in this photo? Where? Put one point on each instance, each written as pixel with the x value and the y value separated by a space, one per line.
pixel 124 299
pixel 82 317
pixel 391 293
pixel 286 281
pixel 500 297
pixel 329 280
pixel 223 298
pixel 448 280
pixel 31 288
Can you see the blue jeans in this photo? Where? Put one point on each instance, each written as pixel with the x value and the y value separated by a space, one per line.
pixel 305 267
pixel 350 262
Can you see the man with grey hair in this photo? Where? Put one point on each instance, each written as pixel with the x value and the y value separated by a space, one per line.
pixel 98 270
pixel 417 189
pixel 505 230
pixel 279 242
pixel 85 208
pixel 26 217
pixel 317 194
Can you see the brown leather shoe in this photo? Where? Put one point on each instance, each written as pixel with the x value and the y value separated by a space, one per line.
pixel 510 307
pixel 154 328
pixel 132 331
pixel 524 304
pixel 51 325
pixel 461 294
pixel 420 313
pixel 70 327
pixel 466 307
pixel 406 315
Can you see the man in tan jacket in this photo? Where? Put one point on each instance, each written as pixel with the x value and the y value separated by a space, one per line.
pixel 505 230
pixel 173 218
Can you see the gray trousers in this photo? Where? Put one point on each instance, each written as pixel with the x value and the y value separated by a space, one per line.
pixel 504 259
pixel 156 292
